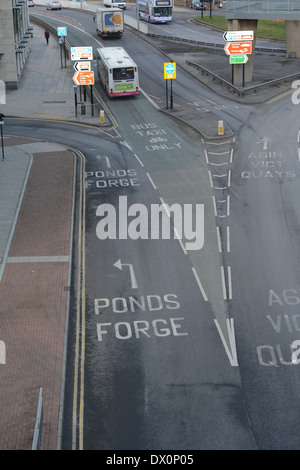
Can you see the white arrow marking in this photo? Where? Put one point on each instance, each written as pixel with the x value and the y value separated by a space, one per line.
pixel 107 160
pixel 264 141
pixel 120 265
pixel 231 353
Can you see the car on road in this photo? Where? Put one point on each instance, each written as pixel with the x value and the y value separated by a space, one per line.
pixel 115 3
pixel 30 3
pixel 53 6
pixel 197 5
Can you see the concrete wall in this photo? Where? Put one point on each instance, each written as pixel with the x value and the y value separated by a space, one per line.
pixel 8 70
pixel 14 25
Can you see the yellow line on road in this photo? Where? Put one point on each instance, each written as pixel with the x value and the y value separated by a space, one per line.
pixel 79 361
pixel 276 98
pixel 49 116
pixel 81 408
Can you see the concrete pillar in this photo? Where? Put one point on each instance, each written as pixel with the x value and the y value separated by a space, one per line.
pixel 292 32
pixel 244 25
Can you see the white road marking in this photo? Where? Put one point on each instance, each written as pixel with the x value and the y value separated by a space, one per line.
pixel 232 352
pixel 200 285
pixel 141 163
pixel 151 181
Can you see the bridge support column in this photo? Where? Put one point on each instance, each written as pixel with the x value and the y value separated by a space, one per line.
pixel 292 32
pixel 244 25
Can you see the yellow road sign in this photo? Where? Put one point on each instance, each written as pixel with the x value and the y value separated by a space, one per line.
pixel 169 70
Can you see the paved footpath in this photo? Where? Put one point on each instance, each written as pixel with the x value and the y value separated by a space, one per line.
pixel 34 288
pixel 36 210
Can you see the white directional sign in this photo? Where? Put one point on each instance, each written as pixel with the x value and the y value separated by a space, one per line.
pixel 84 66
pixel 82 53
pixel 238 35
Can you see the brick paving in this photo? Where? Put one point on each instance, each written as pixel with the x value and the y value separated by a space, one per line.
pixel 33 302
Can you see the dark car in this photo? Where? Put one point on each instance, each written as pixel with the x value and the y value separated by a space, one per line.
pixel 197 5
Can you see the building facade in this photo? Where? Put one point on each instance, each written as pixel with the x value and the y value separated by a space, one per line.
pixel 15 40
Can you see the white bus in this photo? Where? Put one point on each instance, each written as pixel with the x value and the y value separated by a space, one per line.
pixel 117 72
pixel 155 11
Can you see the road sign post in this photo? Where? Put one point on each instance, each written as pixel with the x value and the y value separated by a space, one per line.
pixel 169 74
pixel 238 50
pixel 75 98
pixel 2 117
pixel 62 33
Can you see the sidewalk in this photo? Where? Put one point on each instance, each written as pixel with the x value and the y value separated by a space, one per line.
pixel 34 284
pixel 46 89
pixel 36 216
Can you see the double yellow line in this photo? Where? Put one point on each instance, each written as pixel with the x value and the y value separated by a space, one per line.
pixel 78 392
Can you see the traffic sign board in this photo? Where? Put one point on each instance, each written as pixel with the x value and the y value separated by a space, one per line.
pixel 238 36
pixel 84 78
pixel 169 70
pixel 84 66
pixel 61 31
pixel 82 53
pixel 238 59
pixel 238 48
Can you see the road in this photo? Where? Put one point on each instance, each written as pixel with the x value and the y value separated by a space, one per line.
pixel 187 349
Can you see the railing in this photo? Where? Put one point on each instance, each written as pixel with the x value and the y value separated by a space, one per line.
pixel 38 430
pixel 241 91
pixel 214 45
pixel 262 6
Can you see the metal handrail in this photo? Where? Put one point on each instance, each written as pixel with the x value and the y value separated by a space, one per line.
pixel 242 91
pixel 38 429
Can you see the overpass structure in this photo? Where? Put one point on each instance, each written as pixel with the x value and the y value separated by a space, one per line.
pixel 263 9
pixel 244 15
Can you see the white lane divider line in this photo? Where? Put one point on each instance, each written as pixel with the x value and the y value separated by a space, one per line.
pixel 200 285
pixel 151 181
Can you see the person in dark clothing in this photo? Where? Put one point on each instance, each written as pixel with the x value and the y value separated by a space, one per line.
pixel 47 35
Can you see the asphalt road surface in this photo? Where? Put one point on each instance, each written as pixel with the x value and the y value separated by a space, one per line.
pixel 180 348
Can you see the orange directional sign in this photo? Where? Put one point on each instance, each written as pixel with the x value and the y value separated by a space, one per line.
pixel 238 48
pixel 84 78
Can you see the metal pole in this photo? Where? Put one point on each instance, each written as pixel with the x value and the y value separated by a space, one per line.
pixel 75 96
pixel 60 45
pixel 92 101
pixel 65 51
pixel 167 100
pixel 3 158
pixel 171 93
pixel 243 75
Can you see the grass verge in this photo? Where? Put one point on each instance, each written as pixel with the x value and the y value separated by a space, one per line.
pixel 269 29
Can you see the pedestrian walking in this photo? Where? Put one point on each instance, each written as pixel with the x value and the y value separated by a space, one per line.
pixel 47 35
